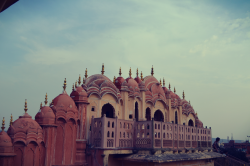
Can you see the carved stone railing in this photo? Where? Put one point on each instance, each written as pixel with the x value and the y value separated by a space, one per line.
pixel 118 133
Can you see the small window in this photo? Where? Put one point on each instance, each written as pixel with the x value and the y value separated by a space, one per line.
pixel 93 109
pixel 130 116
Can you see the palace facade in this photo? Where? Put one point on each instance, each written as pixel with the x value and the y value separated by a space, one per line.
pixel 102 122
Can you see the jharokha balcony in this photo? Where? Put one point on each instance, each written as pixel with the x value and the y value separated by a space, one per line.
pixel 114 133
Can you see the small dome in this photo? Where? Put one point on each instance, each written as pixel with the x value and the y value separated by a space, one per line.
pixel 97 78
pixel 63 100
pixel 138 80
pixel 118 82
pixel 132 83
pixel 24 124
pixel 5 140
pixel 79 94
pixel 45 116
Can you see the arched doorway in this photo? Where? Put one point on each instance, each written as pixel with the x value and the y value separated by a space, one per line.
pixel 109 110
pixel 176 118
pixel 190 122
pixel 158 116
pixel 148 114
pixel 136 111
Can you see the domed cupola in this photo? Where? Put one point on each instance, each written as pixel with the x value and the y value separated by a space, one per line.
pixel 64 101
pixel 25 129
pixel 137 78
pixel 78 94
pixel 5 141
pixel 132 84
pixel 45 116
pixel 120 82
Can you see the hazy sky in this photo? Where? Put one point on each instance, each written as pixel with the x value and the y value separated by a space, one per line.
pixel 201 47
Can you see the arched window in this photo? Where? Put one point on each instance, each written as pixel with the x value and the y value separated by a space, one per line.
pixel 190 122
pixel 109 110
pixel 136 111
pixel 158 116
pixel 108 134
pixel 113 124
pixel 176 118
pixel 148 114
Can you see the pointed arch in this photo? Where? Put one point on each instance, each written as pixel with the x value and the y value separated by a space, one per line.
pixel 109 110
pixel 158 116
pixel 190 122
pixel 176 117
pixel 136 111
pixel 148 114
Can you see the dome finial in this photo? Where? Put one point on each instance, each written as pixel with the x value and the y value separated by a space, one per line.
pixel 174 90
pixel 189 102
pixel 183 95
pixel 64 85
pixel 79 80
pixel 86 73
pixel 41 105
pixel 83 80
pixel 102 69
pixel 114 79
pixel 11 120
pixel 46 99
pixel 163 82
pixel 120 72
pixel 130 72
pixel 160 82
pixel 169 86
pixel 3 124
pixel 25 106
pixel 73 87
pixel 152 71
pixel 137 73
pixel 75 84
pixel 141 76
pixel 52 102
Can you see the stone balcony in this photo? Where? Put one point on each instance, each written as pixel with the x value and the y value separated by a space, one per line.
pixel 114 133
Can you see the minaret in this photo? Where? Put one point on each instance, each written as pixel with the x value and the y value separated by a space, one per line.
pixel 130 72
pixel 183 95
pixel 11 120
pixel 46 99
pixel 73 88
pixel 163 82
pixel 141 76
pixel 3 124
pixel 137 73
pixel 152 71
pixel 79 80
pixel 169 87
pixel 102 69
pixel 174 90
pixel 114 79
pixel 86 74
pixel 64 85
pixel 160 82
pixel 120 72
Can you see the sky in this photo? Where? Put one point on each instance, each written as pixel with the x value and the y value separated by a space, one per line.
pixel 201 47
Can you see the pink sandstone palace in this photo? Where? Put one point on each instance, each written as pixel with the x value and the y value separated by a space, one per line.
pixel 132 121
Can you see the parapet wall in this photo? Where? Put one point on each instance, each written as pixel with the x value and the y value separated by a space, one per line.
pixel 116 133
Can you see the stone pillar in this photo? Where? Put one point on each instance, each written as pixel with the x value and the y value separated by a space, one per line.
pixel 81 140
pixel 49 132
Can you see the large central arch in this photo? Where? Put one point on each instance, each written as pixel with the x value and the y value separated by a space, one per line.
pixel 109 110
pixel 158 116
